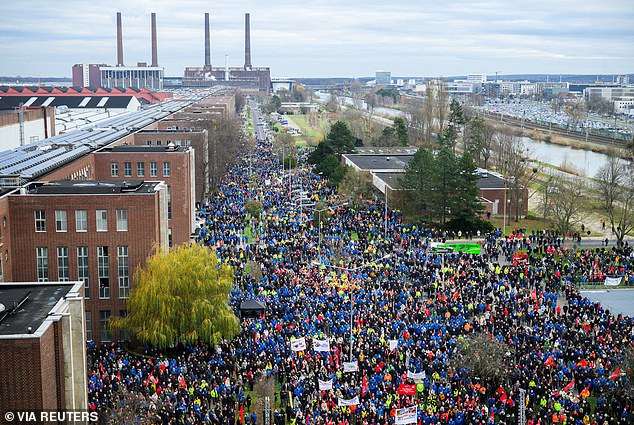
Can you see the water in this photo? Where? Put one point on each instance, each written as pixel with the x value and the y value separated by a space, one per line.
pixel 585 162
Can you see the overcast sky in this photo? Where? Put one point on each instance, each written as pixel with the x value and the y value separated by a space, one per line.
pixel 320 38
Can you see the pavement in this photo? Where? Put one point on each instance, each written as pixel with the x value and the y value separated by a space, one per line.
pixel 618 301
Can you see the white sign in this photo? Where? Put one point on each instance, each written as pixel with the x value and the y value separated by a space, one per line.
pixel 350 367
pixel 613 281
pixel 393 344
pixel 412 375
pixel 406 415
pixel 298 344
pixel 325 385
pixel 321 345
pixel 352 402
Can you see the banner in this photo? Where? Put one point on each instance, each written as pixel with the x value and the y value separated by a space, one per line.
pixel 350 367
pixel 407 389
pixel 613 281
pixel 419 375
pixel 298 344
pixel 352 402
pixel 406 415
pixel 321 344
pixel 325 385
pixel 393 344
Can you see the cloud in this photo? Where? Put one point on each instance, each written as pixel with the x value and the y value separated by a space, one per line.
pixel 328 37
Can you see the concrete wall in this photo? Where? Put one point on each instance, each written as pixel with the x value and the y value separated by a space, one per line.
pixel 38 125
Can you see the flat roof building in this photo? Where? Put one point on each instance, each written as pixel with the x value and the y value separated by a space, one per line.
pixel 42 347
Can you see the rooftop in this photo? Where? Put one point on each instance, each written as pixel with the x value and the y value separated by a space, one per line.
pixel 379 162
pixel 486 180
pixel 145 148
pixel 72 102
pixel 92 187
pixel 28 305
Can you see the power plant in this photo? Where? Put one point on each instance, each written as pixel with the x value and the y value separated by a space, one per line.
pixel 247 78
pixel 121 76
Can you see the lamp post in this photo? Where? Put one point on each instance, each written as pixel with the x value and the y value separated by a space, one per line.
pixel 351 270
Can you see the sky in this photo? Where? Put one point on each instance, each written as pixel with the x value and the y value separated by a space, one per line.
pixel 326 38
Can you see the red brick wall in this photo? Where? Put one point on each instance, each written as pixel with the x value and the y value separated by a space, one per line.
pixel 80 169
pixel 179 182
pixel 20 386
pixel 143 233
pixel 5 240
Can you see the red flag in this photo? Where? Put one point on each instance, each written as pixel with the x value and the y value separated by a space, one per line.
pixel 582 363
pixel 586 392
pixel 503 397
pixel 364 386
pixel 406 389
pixel 241 413
pixel 455 295
pixel 616 374
pixel 550 362
pixel 181 382
pixel 570 385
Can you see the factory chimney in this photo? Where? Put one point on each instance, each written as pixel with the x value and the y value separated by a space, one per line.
pixel 119 40
pixel 207 43
pixel 154 47
pixel 247 42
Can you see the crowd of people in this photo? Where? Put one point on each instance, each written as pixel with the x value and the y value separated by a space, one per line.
pixel 395 315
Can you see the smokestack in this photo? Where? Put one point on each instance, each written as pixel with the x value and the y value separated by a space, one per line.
pixel 207 43
pixel 154 47
pixel 247 42
pixel 119 40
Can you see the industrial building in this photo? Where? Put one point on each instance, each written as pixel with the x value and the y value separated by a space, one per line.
pixel 21 126
pixel 137 77
pixel 42 347
pixel 248 78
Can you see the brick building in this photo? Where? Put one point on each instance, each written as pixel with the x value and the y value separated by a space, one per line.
pixel 42 347
pixel 174 165
pixel 96 232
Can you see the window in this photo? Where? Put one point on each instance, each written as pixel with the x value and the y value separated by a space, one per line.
pixel 104 325
pixel 179 142
pixel 149 142
pixel 81 221
pixel 41 254
pixel 122 220
pixel 114 169
pixel 103 271
pixel 124 335
pixel 88 326
pixel 159 142
pixel 169 237
pixel 40 220
pixel 60 221
pixel 82 269
pixel 166 169
pixel 188 142
pixel 127 169
pixel 102 220
pixel 140 169
pixel 169 202
pixel 124 278
pixel 62 264
pixel 153 169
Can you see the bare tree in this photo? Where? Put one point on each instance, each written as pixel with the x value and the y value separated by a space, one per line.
pixel 567 203
pixel 428 112
pixel 441 107
pixel 615 184
pixel 486 358
pixel 224 137
pixel 575 110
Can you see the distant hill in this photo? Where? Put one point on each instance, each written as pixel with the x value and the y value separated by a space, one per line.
pixel 4 80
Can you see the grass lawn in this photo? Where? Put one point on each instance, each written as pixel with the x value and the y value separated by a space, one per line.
pixel 530 223
pixel 312 132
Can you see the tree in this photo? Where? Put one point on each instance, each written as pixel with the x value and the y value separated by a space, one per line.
pixel 340 139
pixel 224 137
pixel 254 208
pixel 615 185
pixel 449 135
pixel 575 110
pixel 429 112
pixel 355 185
pixel 332 169
pixel 486 358
pixel 567 203
pixel 181 296
pixel 401 131
pixel 418 182
pixel 441 102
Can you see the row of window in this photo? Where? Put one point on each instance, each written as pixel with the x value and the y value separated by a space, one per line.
pixel 103 268
pixel 104 326
pixel 140 169
pixel 176 142
pixel 81 220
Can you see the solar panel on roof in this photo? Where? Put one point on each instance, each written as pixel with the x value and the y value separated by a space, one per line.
pixel 38 159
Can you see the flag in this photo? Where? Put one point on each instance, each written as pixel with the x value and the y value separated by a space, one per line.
pixel 570 385
pixel 616 374
pixel 181 382
pixel 351 402
pixel 419 375
pixel 407 415
pixel 364 385
pixel 241 413
pixel 325 385
pixel 298 344
pixel 321 345
pixel 393 344
pixel 550 361
pixel 407 389
pixel 582 363
pixel 350 367
pixel 455 295
pixel 586 392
